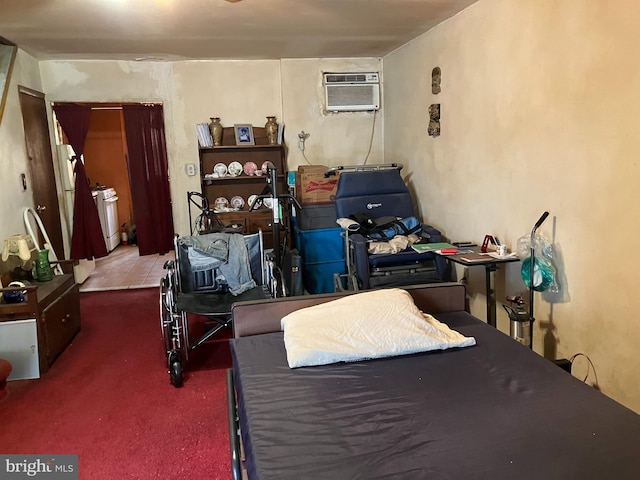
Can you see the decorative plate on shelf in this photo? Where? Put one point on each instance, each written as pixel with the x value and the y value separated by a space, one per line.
pixel 250 168
pixel 235 169
pixel 251 199
pixel 265 166
pixel 237 202
pixel 268 202
pixel 220 169
pixel 221 203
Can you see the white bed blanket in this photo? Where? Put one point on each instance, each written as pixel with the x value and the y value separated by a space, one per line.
pixel 372 324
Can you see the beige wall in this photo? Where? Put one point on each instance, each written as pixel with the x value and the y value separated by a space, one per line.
pixel 334 139
pixel 13 155
pixel 235 91
pixel 539 112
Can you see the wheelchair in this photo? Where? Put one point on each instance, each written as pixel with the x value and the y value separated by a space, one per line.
pixel 193 288
pixel 381 193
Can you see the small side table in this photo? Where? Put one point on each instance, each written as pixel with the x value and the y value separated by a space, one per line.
pixel 490 264
pixel 55 306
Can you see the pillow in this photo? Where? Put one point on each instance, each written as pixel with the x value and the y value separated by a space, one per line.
pixel 373 324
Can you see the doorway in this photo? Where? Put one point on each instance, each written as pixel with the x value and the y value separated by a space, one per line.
pixel 105 154
pixel 109 163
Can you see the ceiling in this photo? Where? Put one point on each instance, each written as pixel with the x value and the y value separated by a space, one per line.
pixel 167 30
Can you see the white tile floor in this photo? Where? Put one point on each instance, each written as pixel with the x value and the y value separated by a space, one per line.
pixel 124 268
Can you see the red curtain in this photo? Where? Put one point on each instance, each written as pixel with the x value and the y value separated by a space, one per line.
pixel 149 177
pixel 86 239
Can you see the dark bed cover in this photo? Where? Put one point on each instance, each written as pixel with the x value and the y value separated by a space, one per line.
pixel 492 411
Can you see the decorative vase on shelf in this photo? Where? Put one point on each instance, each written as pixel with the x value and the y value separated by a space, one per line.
pixel 216 131
pixel 43 267
pixel 271 129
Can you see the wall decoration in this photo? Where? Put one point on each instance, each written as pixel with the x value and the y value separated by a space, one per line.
pixel 434 120
pixel 436 75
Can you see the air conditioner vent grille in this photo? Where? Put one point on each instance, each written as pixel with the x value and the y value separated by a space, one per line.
pixel 346 78
pixel 336 78
pixel 347 95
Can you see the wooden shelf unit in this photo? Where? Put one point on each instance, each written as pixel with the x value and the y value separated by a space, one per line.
pixel 244 185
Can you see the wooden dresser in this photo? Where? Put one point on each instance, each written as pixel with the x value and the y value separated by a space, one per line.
pixel 55 305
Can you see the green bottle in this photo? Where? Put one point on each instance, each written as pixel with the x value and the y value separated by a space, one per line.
pixel 43 267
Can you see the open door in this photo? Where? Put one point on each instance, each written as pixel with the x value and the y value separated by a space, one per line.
pixel 43 184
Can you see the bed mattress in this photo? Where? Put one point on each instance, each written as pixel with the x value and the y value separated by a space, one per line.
pixel 494 410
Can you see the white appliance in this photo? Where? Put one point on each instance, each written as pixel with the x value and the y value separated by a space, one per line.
pixel 351 92
pixel 65 156
pixel 108 213
pixel 19 345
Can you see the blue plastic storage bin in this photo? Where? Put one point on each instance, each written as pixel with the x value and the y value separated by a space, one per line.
pixel 313 217
pixel 320 245
pixel 318 277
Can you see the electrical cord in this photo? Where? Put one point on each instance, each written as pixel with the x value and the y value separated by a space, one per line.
pixel 589 366
pixel 373 128
pixel 366 158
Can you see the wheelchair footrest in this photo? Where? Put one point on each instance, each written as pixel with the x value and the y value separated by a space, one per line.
pixel 343 282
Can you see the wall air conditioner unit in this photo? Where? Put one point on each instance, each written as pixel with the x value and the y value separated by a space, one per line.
pixel 351 92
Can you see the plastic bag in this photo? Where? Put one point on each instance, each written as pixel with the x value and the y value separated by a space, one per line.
pixel 544 271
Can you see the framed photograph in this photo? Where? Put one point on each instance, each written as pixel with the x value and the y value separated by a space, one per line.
pixel 244 134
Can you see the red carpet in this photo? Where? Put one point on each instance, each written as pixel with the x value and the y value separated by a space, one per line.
pixel 108 399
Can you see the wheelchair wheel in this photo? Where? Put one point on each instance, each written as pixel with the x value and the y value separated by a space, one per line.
pixel 175 369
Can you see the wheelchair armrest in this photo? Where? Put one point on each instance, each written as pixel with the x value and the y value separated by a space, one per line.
pixel 431 233
pixel 359 244
pixel 358 240
pixel 434 235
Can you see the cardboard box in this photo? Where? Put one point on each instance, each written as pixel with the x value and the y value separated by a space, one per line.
pixel 312 187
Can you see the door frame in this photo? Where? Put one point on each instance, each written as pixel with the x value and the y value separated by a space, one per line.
pixel 42 172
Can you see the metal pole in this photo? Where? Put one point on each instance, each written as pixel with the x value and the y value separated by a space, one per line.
pixel 531 269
